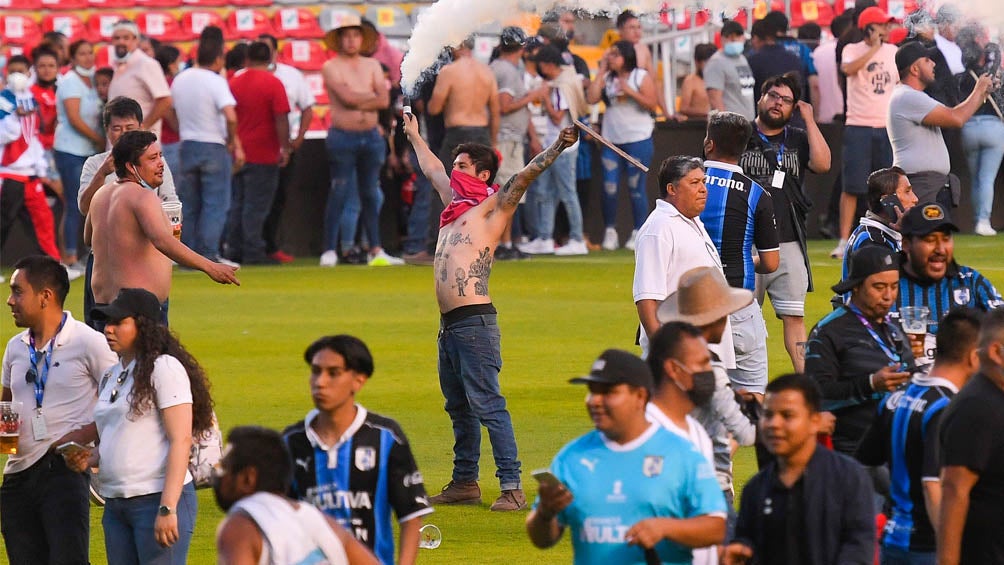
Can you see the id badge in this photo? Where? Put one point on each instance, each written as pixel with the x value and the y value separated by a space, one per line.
pixel 778 180
pixel 39 431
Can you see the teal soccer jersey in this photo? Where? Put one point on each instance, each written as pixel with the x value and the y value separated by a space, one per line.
pixel 658 475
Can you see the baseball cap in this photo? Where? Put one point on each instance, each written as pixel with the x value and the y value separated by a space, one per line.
pixel 616 366
pixel 865 262
pixel 874 15
pixel 925 218
pixel 129 303
pixel 910 52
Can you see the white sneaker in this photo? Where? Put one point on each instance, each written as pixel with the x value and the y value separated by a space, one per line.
pixel 838 251
pixel 538 247
pixel 610 240
pixel 73 273
pixel 224 261
pixel 382 259
pixel 573 247
pixel 329 258
pixel 983 227
pixel 631 240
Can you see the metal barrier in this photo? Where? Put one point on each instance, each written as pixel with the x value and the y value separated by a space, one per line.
pixel 672 47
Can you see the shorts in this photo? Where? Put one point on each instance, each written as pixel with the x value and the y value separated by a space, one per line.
pixel 749 338
pixel 865 150
pixel 513 160
pixel 788 285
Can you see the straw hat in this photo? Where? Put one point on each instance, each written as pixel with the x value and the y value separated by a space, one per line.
pixel 350 20
pixel 703 297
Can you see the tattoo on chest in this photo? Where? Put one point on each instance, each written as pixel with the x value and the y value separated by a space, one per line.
pixel 480 270
pixel 458 238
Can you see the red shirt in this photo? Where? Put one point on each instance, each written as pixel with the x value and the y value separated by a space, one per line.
pixel 46 99
pixel 260 98
pixel 167 133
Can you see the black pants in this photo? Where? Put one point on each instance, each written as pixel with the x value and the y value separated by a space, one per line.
pixel 45 514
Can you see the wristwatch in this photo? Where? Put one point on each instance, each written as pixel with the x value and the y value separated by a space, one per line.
pixel 165 510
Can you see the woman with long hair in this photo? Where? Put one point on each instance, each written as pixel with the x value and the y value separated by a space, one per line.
pixel 150 404
pixel 631 99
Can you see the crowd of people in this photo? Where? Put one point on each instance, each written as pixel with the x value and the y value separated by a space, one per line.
pixel 878 426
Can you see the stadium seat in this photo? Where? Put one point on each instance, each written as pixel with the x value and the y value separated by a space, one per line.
pixel 390 20
pixel 103 56
pixel 64 4
pixel 250 2
pixel 158 3
pixel 159 25
pixel 206 3
pixel 112 3
pixel 316 83
pixel 304 55
pixel 69 25
pixel 684 18
pixel 817 11
pixel 761 7
pixel 192 23
pixel 899 8
pixel 20 4
pixel 321 121
pixel 20 30
pixel 332 17
pixel 248 24
pixel 296 23
pixel 99 25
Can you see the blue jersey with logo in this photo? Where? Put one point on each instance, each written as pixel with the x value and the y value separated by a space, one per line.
pixel 961 287
pixel 739 214
pixel 616 486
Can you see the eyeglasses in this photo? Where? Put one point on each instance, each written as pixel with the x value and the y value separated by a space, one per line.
pixel 118 382
pixel 774 97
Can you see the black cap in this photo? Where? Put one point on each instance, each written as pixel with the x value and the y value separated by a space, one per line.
pixel 130 303
pixel 513 36
pixel 549 54
pixel 865 262
pixel 925 218
pixel 909 53
pixel 615 367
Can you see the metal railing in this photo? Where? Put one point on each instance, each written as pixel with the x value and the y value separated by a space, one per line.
pixel 677 46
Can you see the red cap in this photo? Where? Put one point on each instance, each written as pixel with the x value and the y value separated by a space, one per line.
pixel 897 35
pixel 874 15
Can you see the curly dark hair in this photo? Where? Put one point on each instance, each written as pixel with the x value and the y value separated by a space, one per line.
pixel 152 341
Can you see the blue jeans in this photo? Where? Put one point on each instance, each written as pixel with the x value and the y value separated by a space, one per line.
pixel 70 166
pixel 172 157
pixel 469 365
pixel 128 524
pixel 614 167
pixel 355 159
pixel 897 556
pixel 254 187
pixel 983 140
pixel 204 192
pixel 557 184
pixel 418 219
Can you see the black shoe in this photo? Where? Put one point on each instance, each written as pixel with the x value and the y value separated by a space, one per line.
pixel 355 256
pixel 505 253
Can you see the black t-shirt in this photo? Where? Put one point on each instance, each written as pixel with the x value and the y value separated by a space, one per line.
pixel 972 435
pixel 759 162
pixel 784 542
pixel 770 61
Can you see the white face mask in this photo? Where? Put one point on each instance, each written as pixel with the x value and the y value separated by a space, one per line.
pixel 86 73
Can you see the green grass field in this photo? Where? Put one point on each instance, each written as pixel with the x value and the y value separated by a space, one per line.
pixel 556 316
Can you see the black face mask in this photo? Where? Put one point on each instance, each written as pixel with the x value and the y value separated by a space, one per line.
pixel 704 385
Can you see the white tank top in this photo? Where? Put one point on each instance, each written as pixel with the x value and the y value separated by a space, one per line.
pixel 625 121
pixel 293 535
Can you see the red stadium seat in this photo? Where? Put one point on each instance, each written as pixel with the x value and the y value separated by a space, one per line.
pixel 192 23
pixel 64 4
pixel 248 24
pixel 20 30
pixel 104 55
pixel 68 24
pixel 761 7
pixel 99 25
pixel 112 3
pixel 298 23
pixel 304 55
pixel 20 5
pixel 321 120
pixel 684 18
pixel 206 3
pixel 816 11
pixel 316 83
pixel 250 2
pixel 158 3
pixel 159 25
pixel 899 8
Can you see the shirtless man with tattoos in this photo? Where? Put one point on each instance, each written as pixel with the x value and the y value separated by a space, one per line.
pixel 476 214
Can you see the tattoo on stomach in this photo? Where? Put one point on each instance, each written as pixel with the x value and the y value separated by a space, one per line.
pixel 480 270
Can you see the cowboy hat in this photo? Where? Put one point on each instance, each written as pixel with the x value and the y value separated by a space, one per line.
pixel 702 297
pixel 349 20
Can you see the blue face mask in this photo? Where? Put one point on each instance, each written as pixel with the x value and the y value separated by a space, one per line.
pixel 142 182
pixel 734 48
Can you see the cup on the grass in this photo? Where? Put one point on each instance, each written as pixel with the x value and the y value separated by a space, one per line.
pixel 173 212
pixel 10 427
pixel 430 538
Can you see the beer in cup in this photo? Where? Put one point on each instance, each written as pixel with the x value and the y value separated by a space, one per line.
pixel 10 427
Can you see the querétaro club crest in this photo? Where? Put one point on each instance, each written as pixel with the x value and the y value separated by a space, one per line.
pixel 365 458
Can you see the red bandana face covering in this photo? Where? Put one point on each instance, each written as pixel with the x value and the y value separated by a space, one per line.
pixel 468 192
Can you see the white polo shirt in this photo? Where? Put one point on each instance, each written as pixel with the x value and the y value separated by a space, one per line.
pixel 80 357
pixel 668 245
pixel 298 92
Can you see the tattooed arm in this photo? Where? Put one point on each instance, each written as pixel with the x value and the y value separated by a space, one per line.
pixel 509 196
pixel 431 166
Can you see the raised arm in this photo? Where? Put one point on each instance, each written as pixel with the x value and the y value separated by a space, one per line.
pixel 432 167
pixel 512 192
pixel 440 93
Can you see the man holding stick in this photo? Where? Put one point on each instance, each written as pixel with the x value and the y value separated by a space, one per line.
pixel 470 228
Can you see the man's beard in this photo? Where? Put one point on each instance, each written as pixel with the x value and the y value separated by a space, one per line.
pixel 770 121
pixel 121 51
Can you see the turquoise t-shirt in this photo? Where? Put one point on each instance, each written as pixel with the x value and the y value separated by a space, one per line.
pixel 658 475
pixel 68 139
